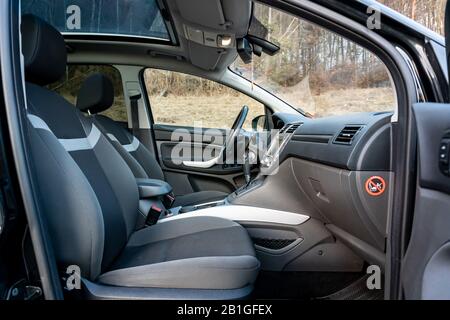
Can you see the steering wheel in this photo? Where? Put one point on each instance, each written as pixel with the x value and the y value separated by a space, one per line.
pixel 237 127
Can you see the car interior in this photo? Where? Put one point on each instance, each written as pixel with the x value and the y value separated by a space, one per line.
pixel 144 221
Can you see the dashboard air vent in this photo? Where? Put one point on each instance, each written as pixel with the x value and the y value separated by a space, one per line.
pixel 290 128
pixel 347 135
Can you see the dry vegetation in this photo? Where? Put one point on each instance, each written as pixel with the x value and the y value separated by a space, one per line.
pixel 344 101
pixel 187 101
pixel 205 111
pixel 430 13
pixel 180 99
pixel 220 113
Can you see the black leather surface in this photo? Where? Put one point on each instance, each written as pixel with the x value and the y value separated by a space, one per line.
pixel 96 94
pixel 199 198
pixel 44 51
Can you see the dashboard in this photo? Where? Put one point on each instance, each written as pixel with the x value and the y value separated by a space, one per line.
pixel 338 172
pixel 353 142
pixel 325 166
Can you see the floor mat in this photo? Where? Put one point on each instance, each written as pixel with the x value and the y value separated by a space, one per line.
pixel 356 291
pixel 301 285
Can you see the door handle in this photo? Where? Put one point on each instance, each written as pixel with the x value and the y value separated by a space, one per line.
pixel 202 164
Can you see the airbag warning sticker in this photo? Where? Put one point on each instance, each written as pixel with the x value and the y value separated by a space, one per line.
pixel 375 186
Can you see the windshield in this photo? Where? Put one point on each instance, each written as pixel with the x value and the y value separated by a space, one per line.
pixel 316 70
pixel 141 18
pixel 430 13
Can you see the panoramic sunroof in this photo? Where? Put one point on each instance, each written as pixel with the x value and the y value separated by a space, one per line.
pixel 136 18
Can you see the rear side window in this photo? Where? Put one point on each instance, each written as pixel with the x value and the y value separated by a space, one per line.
pixel 70 85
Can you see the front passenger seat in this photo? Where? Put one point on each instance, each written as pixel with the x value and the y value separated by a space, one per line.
pixel 89 199
pixel 97 95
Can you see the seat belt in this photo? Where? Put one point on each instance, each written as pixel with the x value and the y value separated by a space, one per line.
pixel 134 103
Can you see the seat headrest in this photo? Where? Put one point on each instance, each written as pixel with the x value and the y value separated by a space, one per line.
pixel 44 51
pixel 96 94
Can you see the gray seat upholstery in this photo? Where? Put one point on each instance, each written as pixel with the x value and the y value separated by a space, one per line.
pixel 90 197
pixel 179 254
pixel 97 95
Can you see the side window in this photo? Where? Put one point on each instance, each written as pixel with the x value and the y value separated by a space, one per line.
pixel 70 85
pixel 184 100
pixel 317 70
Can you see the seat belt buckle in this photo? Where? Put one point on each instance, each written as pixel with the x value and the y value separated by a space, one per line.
pixel 153 215
pixel 169 200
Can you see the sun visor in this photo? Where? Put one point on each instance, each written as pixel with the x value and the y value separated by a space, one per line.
pixel 229 17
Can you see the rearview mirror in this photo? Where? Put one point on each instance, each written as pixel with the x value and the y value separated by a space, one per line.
pixel 250 45
pixel 265 46
pixel 244 49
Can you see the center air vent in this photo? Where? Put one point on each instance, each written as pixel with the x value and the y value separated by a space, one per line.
pixel 290 128
pixel 347 135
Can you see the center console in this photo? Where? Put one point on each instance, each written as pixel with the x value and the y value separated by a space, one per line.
pixel 271 157
pixel 156 202
pixel 187 209
pixel 269 163
pixel 154 197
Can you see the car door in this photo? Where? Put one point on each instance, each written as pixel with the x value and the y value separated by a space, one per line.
pixel 191 119
pixel 426 265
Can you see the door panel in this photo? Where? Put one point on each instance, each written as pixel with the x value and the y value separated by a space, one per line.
pixel 427 255
pixel 201 143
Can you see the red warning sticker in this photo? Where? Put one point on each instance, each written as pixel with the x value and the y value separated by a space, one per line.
pixel 375 186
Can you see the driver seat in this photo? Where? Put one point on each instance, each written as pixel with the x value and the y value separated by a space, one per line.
pixel 97 95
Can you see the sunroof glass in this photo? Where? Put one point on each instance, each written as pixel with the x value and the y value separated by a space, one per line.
pixel 137 18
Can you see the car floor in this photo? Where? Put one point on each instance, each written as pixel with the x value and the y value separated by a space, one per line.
pixel 306 285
